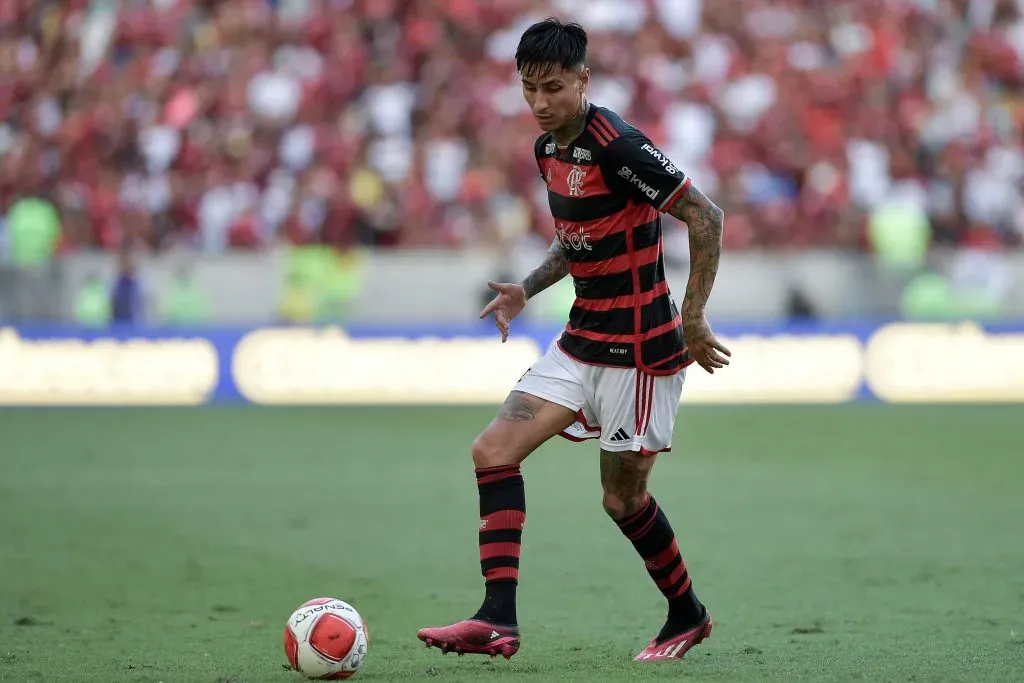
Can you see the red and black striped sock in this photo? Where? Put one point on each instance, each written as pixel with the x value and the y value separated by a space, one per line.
pixel 652 536
pixel 502 517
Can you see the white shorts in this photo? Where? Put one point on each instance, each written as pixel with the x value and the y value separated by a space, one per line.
pixel 628 410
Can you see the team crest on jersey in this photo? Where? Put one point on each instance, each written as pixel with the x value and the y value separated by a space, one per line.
pixel 575 181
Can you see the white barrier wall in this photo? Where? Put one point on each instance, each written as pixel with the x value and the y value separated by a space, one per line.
pixel 446 286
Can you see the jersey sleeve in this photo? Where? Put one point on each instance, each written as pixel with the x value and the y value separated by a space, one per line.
pixel 634 166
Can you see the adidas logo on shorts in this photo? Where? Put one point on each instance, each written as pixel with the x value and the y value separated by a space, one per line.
pixel 620 436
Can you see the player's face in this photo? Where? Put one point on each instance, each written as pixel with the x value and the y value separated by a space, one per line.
pixel 554 94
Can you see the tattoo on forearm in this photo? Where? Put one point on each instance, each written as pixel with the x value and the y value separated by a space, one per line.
pixel 551 270
pixel 518 407
pixel 706 223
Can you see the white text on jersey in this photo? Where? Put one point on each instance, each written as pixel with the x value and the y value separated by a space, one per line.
pixel 662 159
pixel 627 173
pixel 573 237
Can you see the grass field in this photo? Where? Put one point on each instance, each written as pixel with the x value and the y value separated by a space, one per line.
pixel 859 543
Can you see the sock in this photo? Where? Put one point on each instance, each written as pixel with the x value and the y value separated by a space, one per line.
pixel 653 538
pixel 502 517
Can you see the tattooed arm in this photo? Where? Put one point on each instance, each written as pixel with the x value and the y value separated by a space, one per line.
pixel 511 298
pixel 552 269
pixel 706 223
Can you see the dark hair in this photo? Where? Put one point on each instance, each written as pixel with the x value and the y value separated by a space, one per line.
pixel 551 43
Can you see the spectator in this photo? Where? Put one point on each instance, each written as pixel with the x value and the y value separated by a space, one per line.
pixel 33 231
pixel 92 303
pixel 185 302
pixel 126 297
pixel 240 124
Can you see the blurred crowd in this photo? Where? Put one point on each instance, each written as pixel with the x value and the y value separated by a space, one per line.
pixel 235 124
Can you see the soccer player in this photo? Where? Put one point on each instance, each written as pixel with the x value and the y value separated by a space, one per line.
pixel 617 372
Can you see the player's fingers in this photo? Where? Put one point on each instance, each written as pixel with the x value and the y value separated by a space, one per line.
pixel 501 320
pixel 710 361
pixel 489 308
pixel 719 346
pixel 501 287
pixel 716 357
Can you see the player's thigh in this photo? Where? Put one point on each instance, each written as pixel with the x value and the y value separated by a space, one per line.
pixel 636 411
pixel 541 405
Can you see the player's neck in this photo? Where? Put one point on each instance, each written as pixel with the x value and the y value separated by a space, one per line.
pixel 573 127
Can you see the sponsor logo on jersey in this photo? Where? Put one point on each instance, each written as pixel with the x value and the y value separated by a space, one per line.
pixel 662 159
pixel 580 154
pixel 627 173
pixel 575 181
pixel 573 237
pixel 549 148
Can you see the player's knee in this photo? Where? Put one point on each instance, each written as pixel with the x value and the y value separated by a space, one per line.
pixel 620 506
pixel 488 451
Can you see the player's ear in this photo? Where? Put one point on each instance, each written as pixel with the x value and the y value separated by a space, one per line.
pixel 584 80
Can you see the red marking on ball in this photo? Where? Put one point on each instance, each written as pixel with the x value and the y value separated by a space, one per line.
pixel 291 648
pixel 332 637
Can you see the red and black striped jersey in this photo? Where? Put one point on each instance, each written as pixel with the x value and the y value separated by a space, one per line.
pixel 607 191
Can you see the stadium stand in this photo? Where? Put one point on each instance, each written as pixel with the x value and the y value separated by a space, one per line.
pixel 239 123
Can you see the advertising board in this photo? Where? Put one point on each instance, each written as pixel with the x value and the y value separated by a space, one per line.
pixel 432 365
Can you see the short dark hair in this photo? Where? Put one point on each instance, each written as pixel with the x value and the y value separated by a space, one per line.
pixel 550 43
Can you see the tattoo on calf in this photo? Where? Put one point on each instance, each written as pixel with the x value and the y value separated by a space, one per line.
pixel 518 407
pixel 623 476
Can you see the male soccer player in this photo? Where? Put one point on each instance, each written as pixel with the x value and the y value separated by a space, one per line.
pixel 617 372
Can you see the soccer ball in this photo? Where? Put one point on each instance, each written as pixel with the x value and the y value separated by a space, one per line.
pixel 326 639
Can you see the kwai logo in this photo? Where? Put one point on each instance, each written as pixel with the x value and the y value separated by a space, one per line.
pixel 662 159
pixel 627 173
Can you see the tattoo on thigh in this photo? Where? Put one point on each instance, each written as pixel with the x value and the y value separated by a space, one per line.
pixel 518 407
pixel 625 477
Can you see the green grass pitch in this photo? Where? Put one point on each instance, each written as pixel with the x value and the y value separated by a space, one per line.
pixel 871 542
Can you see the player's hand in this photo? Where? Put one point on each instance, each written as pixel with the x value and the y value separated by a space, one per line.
pixel 709 353
pixel 509 303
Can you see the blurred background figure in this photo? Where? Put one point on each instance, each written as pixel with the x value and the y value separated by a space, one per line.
pixel 127 301
pixel 93 303
pixel 185 301
pixel 33 229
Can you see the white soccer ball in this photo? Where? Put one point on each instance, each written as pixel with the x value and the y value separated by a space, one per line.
pixel 326 639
